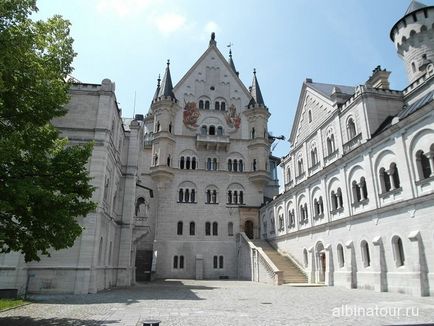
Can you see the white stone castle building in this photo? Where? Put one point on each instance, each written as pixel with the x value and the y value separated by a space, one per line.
pixel 173 188
pixel 357 208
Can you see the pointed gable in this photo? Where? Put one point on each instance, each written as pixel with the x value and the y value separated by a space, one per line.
pixel 316 99
pixel 212 77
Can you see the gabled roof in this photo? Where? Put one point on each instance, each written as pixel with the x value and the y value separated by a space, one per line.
pixel 166 89
pixel 414 5
pixel 325 90
pixel 213 47
pixel 255 90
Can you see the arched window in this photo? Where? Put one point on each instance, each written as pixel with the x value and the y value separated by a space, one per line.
pixel 217 105
pixel 339 198
pixel 395 176
pixel 212 130
pixel 384 180
pixel 206 105
pixel 252 133
pixel 281 223
pixel 219 131
pixel 181 195
pixel 305 259
pixel 310 116
pixel 351 129
pixel 235 197
pixel 223 106
pixel 221 262
pixel 398 251
pixel 158 127
pixel 288 173
pixel 321 206
pixel 181 262
pixel 207 228
pixel 357 196
pixel 300 166
pixel 316 207
pixel 230 229
pixel 306 212
pixel 193 163
pixel 229 165
pixel 182 163
pixel 187 163
pixel 314 156
pixel 214 197
pixel 214 164
pixel 423 165
pixel 179 228
pixel 214 228
pixel 215 262
pixel 331 144
pixel 229 197
pixel 341 257
pixel 186 195
pixel 201 104
pixel 365 254
pixel 254 165
pixel 175 262
pixel 209 164
pixel 203 130
pixel 168 161
pixel 240 166
pixel 192 228
pixel 193 195
pixel 291 219
pixel 364 188
pixel 241 197
pixel 235 165
pixel 155 159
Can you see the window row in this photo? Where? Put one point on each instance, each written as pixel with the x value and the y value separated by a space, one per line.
pixel 191 163
pixel 187 195
pixel 397 250
pixel 211 130
pixel 178 262
pixel 157 127
pixel 210 228
pixel 218 105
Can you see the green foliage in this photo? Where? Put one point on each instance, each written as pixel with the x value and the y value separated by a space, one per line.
pixel 10 303
pixel 44 183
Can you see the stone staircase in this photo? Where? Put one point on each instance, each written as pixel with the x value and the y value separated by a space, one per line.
pixel 291 272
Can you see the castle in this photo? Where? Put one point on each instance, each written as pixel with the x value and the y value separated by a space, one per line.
pixel 359 178
pixel 190 189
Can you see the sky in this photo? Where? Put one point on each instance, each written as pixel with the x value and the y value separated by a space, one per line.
pixel 287 41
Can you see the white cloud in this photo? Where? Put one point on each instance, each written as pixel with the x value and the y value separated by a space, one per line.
pixel 169 23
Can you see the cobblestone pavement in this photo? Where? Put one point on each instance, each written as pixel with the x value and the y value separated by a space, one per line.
pixel 188 302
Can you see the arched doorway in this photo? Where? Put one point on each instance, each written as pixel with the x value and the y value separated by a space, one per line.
pixel 320 262
pixel 248 229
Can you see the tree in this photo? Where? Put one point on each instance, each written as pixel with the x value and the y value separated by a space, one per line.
pixel 44 183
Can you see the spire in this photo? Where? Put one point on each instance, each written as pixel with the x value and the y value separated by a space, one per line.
pixel 166 88
pixel 157 90
pixel 231 63
pixel 414 5
pixel 255 90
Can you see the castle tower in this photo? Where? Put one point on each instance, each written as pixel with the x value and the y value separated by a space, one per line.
pixel 163 108
pixel 259 145
pixel 413 38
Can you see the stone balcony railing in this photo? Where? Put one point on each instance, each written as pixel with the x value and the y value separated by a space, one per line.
pixel 300 177
pixel 331 156
pixel 352 143
pixel 213 142
pixel 312 169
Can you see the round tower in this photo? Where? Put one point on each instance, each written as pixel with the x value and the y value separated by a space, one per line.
pixel 413 36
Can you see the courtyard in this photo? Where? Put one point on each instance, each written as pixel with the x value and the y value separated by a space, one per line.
pixel 190 302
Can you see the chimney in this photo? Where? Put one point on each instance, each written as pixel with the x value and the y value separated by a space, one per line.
pixel 379 78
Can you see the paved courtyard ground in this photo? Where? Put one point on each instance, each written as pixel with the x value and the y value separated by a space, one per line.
pixel 188 302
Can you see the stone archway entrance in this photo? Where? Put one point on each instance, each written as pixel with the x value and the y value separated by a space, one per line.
pixel 248 229
pixel 143 265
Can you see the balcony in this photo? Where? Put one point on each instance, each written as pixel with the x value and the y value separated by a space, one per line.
pixel 331 157
pixel 261 177
pixel 212 142
pixel 161 173
pixel 314 168
pixel 353 143
pixel 300 177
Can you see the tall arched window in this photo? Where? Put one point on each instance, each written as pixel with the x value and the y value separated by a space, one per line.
pixel 175 262
pixel 217 105
pixel 423 165
pixel 314 156
pixel 223 106
pixel 384 180
pixel 252 133
pixel 341 257
pixel 206 105
pixel 351 129
pixel 212 130
pixel 214 197
pixel 356 192
pixel 192 228
pixel 214 164
pixel 339 198
pixel 209 164
pixel 395 175
pixel 241 197
pixel 366 257
pixel 203 130
pixel 187 195
pixel 207 228
pixel 229 197
pixel 254 164
pixel 398 251
pixel 187 163
pixel 193 196
pixel 219 131
pixel 201 104
pixel 214 228
pixel 181 195
pixel 364 188
pixel 179 228
pixel 235 165
pixel 300 166
pixel 310 116
pixel 182 163
pixel 229 165
pixel 208 196
pixel 235 197
pixel 240 166
pixel 305 258
pixel 230 229
pixel 331 144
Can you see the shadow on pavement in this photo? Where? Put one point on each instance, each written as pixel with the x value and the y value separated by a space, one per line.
pixel 21 321
pixel 156 290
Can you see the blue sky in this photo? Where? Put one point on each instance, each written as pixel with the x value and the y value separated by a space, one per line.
pixel 129 41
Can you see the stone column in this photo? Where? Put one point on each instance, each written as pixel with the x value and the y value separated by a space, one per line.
pixel 329 279
pixel 351 266
pixel 418 265
pixel 379 265
pixel 311 275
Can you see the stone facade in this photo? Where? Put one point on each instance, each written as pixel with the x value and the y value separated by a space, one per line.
pixel 174 187
pixel 359 179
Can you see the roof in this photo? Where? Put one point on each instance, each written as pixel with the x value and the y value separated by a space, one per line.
pixel 231 63
pixel 414 5
pixel 327 89
pixel 406 111
pixel 166 84
pixel 256 90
